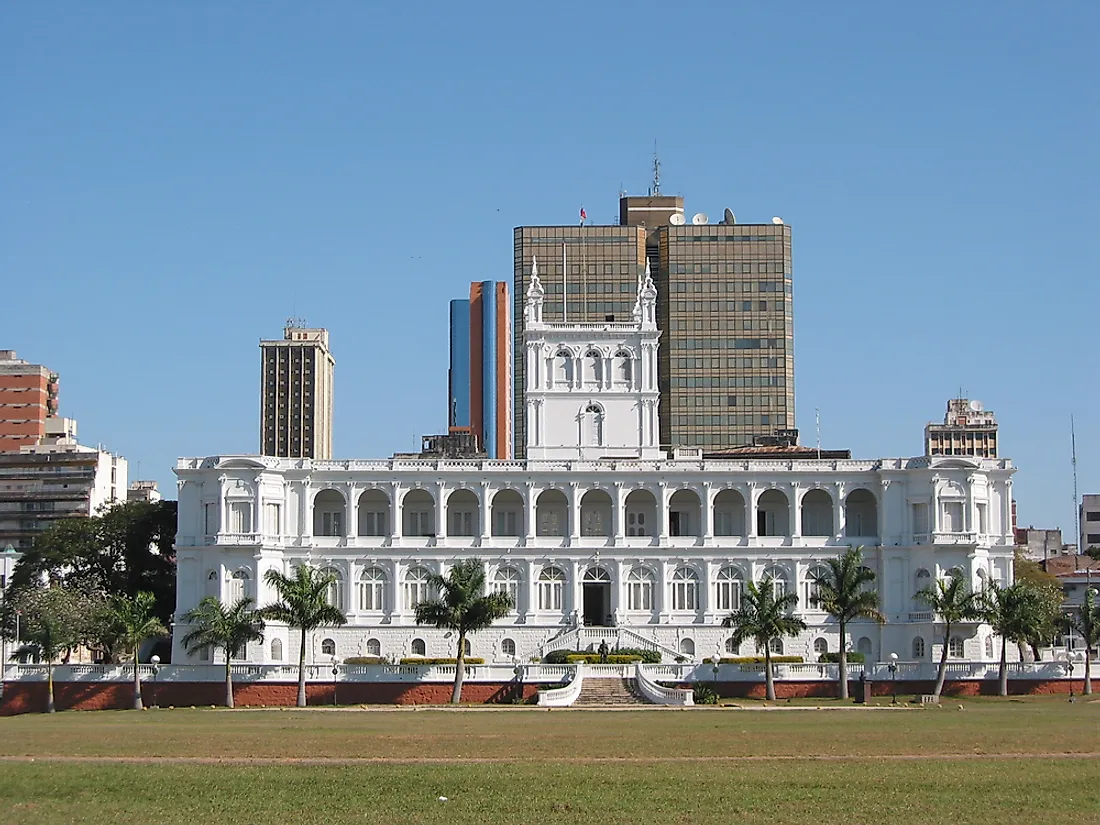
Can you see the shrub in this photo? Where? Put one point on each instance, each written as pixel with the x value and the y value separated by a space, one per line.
pixel 704 695
pixel 833 658
pixel 420 660
pixel 561 657
pixel 365 660
pixel 594 659
pixel 759 660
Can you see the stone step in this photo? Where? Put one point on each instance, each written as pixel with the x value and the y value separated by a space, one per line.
pixel 610 692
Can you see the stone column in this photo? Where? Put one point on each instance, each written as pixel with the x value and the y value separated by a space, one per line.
pixel 663 596
pixel 531 572
pixel 305 523
pixel 530 526
pixel 707 594
pixel 617 583
pixel 352 527
pixel 574 513
pixel 617 525
pixel 574 606
pixel 706 512
pixel 397 595
pixel 663 496
pixel 839 521
pixel 752 500
pixel 484 516
pixel 397 511
pixel 794 519
pixel 441 513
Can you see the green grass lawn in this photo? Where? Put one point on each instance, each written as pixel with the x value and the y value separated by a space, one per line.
pixel 562 766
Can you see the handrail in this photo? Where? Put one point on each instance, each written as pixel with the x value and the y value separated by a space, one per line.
pixel 659 695
pixel 563 697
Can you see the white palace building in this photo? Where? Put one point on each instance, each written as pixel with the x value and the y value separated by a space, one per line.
pixel 597 528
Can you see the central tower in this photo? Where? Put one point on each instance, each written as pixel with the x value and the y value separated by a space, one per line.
pixel 591 388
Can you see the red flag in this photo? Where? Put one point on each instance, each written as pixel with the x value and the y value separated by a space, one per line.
pixel 584 215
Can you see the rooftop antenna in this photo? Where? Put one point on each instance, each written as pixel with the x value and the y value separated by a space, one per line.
pixel 1076 506
pixel 817 423
pixel 656 171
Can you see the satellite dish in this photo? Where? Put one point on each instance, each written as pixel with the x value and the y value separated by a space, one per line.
pixel 976 406
pixel 699 218
pixel 777 221
pixel 677 219
pixel 728 216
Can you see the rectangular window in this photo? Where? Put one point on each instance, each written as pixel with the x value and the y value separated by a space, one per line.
pixel 273 520
pixel 920 518
pixel 952 519
pixel 240 517
pixel 210 518
pixel 1093 516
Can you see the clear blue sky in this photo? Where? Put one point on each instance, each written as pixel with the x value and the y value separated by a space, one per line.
pixel 178 178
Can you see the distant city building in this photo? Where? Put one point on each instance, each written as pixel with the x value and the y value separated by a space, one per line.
pixel 143 491
pixel 1040 545
pixel 28 399
pixel 724 309
pixel 967 429
pixel 479 378
pixel 1090 522
pixel 46 482
pixel 296 389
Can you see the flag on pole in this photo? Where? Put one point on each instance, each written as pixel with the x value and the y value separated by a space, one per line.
pixel 584 216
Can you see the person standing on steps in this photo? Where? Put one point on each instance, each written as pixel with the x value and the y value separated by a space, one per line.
pixel 603 651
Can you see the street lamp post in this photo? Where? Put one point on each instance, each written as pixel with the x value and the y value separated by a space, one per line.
pixel 155 662
pixel 893 667
pixel 335 672
pixel 1069 668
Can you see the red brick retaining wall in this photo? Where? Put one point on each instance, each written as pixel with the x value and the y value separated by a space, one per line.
pixel 30 697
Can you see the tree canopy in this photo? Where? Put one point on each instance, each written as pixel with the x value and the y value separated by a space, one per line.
pixel 121 551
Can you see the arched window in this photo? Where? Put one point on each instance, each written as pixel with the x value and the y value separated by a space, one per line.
pixel 821 645
pixel 864 646
pixel 731 647
pixel 563 367
pixel 728 588
pixel 778 577
pixel 418 647
pixel 334 593
pixel 687 647
pixel 374 647
pixel 508 647
pixel 416 587
pixel 623 368
pixel 639 589
pixel 776 646
pixel 372 590
pixel 551 585
pixel 989 647
pixel 593 368
pixel 811 587
pixel 955 648
pixel 238 585
pixel 328 647
pixel 328 513
pixel 592 426
pixel 507 581
pixel 685 589
pixel 212 584
pixel 276 650
pixel 466 647
pixel 918 648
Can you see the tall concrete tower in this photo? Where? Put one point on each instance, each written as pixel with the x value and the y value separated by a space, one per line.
pixel 296 395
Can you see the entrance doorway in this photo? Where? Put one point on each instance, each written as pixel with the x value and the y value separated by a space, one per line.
pixel 596 597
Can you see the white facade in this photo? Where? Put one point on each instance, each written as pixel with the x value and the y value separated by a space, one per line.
pixel 597 527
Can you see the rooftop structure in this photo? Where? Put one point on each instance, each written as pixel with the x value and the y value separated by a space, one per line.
pixel 967 429
pixel 28 399
pixel 296 388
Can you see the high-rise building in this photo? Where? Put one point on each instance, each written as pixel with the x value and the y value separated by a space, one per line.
pixel 1090 522
pixel 28 397
pixel 724 308
pixel 480 374
pixel 296 395
pixel 967 429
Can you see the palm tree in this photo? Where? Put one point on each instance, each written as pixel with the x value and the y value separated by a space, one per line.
pixel 464 607
pixel 841 592
pixel 229 628
pixel 1014 613
pixel 953 601
pixel 52 618
pixel 763 617
pixel 303 603
pixel 1086 621
pixel 135 621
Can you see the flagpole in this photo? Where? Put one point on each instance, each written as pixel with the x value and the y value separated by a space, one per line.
pixel 564 287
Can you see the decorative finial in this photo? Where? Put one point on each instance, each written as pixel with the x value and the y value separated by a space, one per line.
pixel 535 286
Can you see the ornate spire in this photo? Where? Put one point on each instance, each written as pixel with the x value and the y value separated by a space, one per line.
pixel 645 305
pixel 535 293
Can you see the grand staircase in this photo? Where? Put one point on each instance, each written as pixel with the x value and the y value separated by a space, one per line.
pixel 610 692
